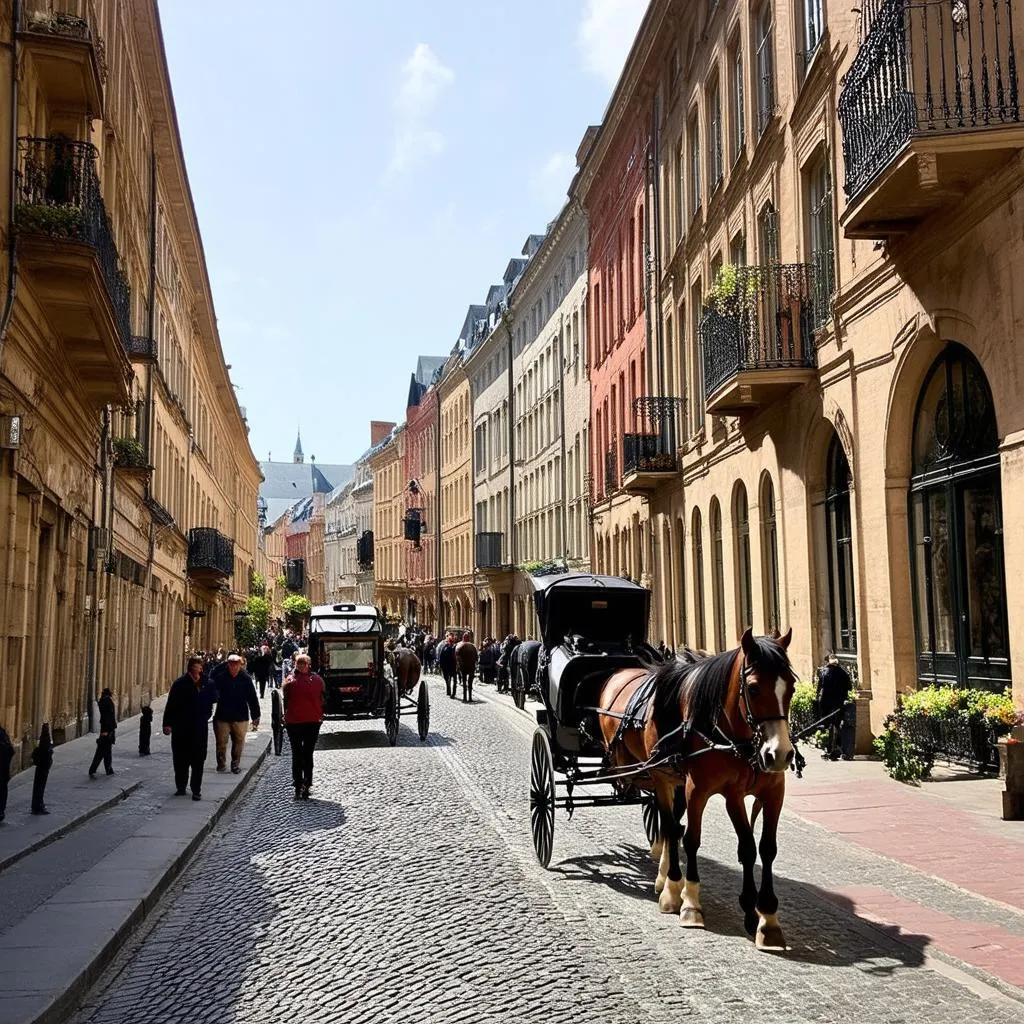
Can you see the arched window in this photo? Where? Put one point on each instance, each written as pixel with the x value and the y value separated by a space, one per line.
pixel 956 521
pixel 741 539
pixel 699 631
pixel 839 527
pixel 769 557
pixel 717 574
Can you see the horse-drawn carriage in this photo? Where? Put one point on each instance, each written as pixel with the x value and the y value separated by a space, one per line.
pixel 620 724
pixel 346 645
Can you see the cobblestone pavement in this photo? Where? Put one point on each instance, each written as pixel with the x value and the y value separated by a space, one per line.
pixel 407 891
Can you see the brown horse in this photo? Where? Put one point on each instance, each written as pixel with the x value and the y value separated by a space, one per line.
pixel 716 724
pixel 465 665
pixel 406 667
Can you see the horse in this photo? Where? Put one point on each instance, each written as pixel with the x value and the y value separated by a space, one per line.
pixel 508 645
pixel 465 661
pixel 712 725
pixel 523 670
pixel 445 654
pixel 406 667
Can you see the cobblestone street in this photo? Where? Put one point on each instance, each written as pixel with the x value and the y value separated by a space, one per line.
pixel 407 891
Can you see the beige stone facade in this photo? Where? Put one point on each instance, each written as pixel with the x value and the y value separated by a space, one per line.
pixel 130 434
pixel 387 466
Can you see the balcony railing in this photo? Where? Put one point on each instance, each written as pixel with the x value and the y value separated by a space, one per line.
pixel 209 551
pixel 141 347
pixel 489 550
pixel 765 323
pixel 295 575
pixel 653 448
pixel 926 69
pixel 58 195
pixel 68 18
pixel 611 471
pixel 364 550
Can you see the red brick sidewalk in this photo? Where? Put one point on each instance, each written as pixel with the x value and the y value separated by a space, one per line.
pixel 948 829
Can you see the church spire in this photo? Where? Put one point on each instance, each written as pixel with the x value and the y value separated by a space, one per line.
pixel 298 457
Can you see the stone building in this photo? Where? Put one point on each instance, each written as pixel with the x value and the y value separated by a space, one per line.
pixel 840 362
pixel 340 545
pixel 127 484
pixel 387 466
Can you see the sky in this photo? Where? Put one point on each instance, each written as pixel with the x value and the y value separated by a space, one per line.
pixel 363 172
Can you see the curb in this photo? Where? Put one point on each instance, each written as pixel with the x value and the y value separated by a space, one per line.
pixel 74 823
pixel 64 1004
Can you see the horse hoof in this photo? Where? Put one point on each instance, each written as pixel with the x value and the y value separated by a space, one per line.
pixel 691 917
pixel 770 939
pixel 669 903
pixel 659 883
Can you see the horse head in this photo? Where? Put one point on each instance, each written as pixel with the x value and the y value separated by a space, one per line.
pixel 765 690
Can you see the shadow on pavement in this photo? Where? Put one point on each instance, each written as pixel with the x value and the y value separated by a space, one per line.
pixel 371 738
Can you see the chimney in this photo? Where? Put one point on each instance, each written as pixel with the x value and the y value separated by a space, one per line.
pixel 379 430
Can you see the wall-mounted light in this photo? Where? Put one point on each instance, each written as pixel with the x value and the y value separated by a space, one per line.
pixel 10 431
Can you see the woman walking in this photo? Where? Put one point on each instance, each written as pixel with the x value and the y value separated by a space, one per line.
pixel 303 713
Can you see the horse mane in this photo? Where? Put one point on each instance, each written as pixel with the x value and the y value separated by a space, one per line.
pixel 701 681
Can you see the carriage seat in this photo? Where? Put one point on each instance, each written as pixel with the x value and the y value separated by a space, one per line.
pixel 575 679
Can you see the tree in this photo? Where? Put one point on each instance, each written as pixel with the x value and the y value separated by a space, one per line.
pixel 249 629
pixel 259 584
pixel 296 608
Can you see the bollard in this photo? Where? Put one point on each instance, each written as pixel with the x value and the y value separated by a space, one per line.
pixel 6 754
pixel 277 719
pixel 145 730
pixel 42 758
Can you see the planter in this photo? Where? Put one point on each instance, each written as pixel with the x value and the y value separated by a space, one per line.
pixel 1011 771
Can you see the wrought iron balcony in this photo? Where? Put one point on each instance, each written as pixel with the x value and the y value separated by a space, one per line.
pixel 611 471
pixel 930 107
pixel 364 550
pixel 141 347
pixel 211 555
pixel 295 575
pixel 129 453
pixel 649 456
pixel 489 551
pixel 758 339
pixel 66 242
pixel 67 54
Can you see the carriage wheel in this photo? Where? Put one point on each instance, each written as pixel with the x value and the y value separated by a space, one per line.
pixel 542 797
pixel 423 711
pixel 518 691
pixel 392 713
pixel 652 826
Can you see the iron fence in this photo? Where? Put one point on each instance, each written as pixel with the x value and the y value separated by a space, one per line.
pixel 764 322
pixel 295 575
pixel 652 448
pixel 210 550
pixel 58 195
pixel 488 550
pixel 926 68
pixel 611 471
pixel 970 742
pixel 142 347
pixel 364 550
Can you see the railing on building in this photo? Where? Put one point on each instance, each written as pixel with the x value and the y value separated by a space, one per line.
pixel 210 551
pixel 58 195
pixel 611 471
pixel 295 575
pixel 489 550
pixel 653 448
pixel 925 69
pixel 766 322
pixel 364 550
pixel 141 347
pixel 68 18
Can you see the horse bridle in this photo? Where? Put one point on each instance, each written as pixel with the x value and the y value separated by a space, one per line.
pixel 754 722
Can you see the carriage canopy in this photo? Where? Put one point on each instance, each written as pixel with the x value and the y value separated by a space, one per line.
pixel 344 618
pixel 606 609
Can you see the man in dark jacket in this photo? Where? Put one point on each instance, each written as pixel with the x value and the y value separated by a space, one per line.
pixel 262 665
pixel 834 686
pixel 105 741
pixel 236 702
pixel 186 717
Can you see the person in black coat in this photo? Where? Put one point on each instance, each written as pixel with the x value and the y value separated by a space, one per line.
pixel 834 685
pixel 186 720
pixel 105 740
pixel 6 755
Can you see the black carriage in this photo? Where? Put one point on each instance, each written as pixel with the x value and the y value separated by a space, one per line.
pixel 590 627
pixel 346 645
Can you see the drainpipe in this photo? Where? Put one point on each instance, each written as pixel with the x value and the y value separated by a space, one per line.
pixel 561 417
pixel 12 247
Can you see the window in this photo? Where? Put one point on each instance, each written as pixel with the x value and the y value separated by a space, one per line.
pixel 717 574
pixel 765 68
pixel 738 251
pixel 714 135
pixel 768 235
pixel 737 99
pixel 694 132
pixel 822 242
pixel 697 360
pixel 813 28
pixel 741 538
pixel 770 557
pixel 680 175
pixel 839 527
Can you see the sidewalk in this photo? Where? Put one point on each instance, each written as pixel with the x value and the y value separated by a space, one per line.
pixel 74 884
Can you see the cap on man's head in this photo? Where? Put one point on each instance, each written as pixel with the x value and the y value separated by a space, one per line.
pixel 235 657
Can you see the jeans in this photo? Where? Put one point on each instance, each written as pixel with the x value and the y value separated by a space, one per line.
pixel 104 753
pixel 188 751
pixel 302 738
pixel 236 731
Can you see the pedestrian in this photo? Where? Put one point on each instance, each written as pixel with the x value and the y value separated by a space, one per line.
pixel 236 703
pixel 105 740
pixel 145 730
pixel 6 756
pixel 262 667
pixel 834 685
pixel 303 713
pixel 186 717
pixel 277 719
pixel 288 649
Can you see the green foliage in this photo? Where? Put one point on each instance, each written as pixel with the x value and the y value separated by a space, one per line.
pixel 129 451
pixel 948 703
pixel 296 608
pixel 250 628
pixel 281 582
pixel 726 294
pixel 56 221
pixel 902 760
pixel 259 585
pixel 802 704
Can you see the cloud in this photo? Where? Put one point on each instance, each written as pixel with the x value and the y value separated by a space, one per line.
pixel 606 34
pixel 552 180
pixel 424 80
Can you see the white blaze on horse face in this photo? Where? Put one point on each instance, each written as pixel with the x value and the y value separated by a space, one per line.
pixel 778 747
